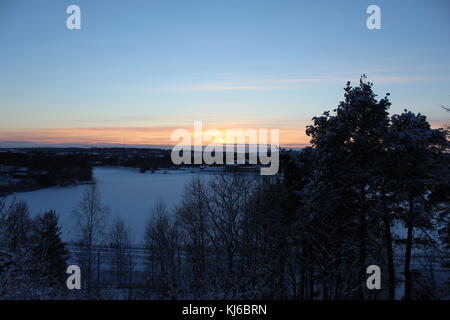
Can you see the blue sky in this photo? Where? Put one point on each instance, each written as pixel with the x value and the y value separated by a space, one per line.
pixel 246 63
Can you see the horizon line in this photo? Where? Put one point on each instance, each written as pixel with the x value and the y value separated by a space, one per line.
pixel 33 144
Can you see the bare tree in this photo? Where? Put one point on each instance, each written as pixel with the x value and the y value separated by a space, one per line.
pixel 91 218
pixel 162 239
pixel 120 241
pixel 17 226
pixel 229 199
pixel 193 219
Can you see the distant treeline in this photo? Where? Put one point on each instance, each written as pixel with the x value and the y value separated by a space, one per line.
pixel 31 170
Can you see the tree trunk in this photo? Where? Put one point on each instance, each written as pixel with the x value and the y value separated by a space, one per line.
pixel 389 251
pixel 362 235
pixel 311 282
pixel 408 277
pixel 302 282
pixel 362 256
pixel 89 267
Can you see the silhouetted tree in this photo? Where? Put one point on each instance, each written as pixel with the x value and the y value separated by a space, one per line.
pixel 48 249
pixel 416 150
pixel 120 242
pixel 348 145
pixel 91 218
pixel 162 240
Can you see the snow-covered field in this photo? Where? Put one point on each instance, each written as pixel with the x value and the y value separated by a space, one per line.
pixel 128 193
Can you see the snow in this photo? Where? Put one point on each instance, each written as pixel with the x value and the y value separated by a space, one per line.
pixel 128 193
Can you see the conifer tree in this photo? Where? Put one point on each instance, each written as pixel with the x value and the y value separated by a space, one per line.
pixel 49 251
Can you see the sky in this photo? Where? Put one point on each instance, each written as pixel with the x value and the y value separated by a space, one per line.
pixel 137 70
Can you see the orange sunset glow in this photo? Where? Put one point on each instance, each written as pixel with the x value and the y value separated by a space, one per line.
pixel 289 136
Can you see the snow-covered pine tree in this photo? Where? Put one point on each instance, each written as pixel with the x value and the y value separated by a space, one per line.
pixel 48 249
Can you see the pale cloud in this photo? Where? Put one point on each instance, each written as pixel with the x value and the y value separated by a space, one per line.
pixel 221 86
pixel 296 83
pixel 377 79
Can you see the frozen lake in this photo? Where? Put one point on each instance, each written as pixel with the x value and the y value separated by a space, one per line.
pixel 128 193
